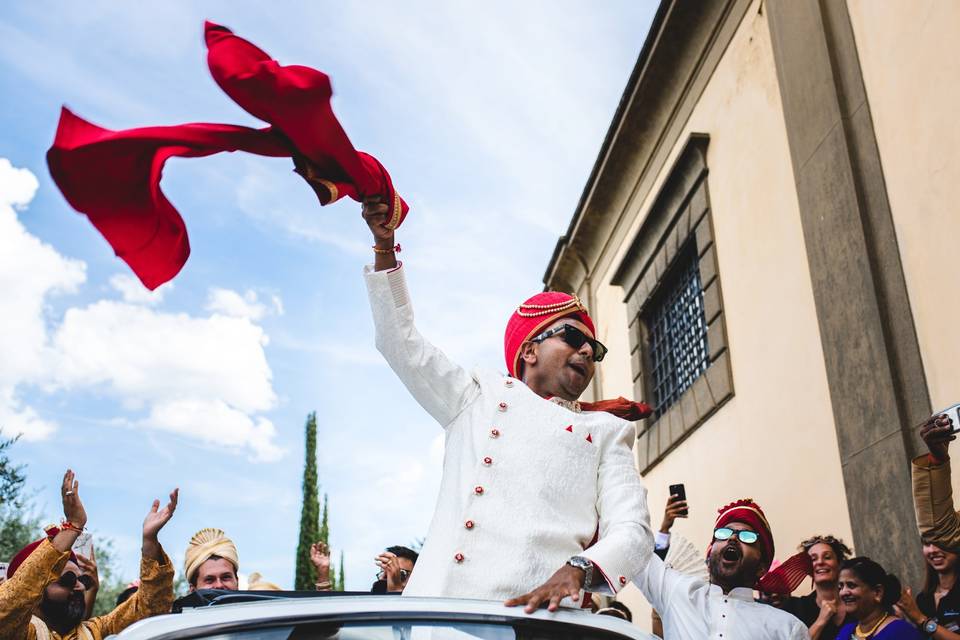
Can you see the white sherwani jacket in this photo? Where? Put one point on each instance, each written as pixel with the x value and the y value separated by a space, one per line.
pixel 692 609
pixel 526 482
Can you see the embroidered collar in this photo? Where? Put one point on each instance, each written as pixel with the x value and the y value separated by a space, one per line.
pixel 571 405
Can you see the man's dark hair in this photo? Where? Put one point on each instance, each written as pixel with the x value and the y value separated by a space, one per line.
pixel 196 574
pixel 619 606
pixel 126 593
pixel 873 575
pixel 404 552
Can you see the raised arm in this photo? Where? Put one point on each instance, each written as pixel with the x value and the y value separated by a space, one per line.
pixel 442 387
pixel 937 520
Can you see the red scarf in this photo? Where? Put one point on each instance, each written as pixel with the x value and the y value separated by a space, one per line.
pixel 113 177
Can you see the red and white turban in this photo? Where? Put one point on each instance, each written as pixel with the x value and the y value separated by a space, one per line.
pixel 533 316
pixel 539 312
pixel 749 513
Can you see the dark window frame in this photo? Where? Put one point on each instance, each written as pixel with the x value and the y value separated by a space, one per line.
pixel 679 220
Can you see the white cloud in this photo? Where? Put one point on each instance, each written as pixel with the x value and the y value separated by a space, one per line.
pixel 206 378
pixel 30 272
pixel 134 292
pixel 246 305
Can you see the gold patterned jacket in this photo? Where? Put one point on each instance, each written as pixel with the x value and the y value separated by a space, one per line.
pixel 20 597
pixel 937 519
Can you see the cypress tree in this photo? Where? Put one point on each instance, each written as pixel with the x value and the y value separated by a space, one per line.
pixel 306 573
pixel 341 581
pixel 325 524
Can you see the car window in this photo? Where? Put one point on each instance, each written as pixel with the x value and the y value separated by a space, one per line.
pixel 417 631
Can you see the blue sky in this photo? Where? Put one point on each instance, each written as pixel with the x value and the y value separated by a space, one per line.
pixel 489 117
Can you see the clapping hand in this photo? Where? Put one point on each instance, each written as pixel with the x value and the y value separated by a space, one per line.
pixel 88 567
pixel 155 520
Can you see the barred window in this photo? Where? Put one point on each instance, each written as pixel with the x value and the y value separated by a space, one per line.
pixel 677 331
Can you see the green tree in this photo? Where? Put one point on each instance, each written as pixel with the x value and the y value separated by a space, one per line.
pixel 341 581
pixel 306 574
pixel 18 526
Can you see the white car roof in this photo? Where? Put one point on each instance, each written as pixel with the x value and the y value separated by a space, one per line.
pixel 222 618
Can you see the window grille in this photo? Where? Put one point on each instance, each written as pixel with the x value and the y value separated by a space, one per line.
pixel 677 331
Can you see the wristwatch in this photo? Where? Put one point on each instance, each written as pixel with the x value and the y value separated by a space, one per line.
pixel 930 626
pixel 583 563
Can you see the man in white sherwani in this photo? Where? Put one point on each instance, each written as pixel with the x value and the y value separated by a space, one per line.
pixel 540 498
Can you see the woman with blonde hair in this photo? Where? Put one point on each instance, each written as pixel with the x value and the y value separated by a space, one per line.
pixel 820 610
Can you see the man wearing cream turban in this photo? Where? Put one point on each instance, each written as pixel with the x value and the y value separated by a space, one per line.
pixel 211 561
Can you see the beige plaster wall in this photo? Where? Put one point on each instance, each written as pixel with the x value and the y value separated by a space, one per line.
pixel 910 56
pixel 775 440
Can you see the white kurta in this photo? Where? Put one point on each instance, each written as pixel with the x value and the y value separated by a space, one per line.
pixel 526 483
pixel 692 609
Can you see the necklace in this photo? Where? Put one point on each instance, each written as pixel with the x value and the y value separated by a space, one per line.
pixel 863 635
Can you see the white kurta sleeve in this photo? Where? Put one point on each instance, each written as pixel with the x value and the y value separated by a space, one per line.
pixel 625 542
pixel 442 387
pixel 656 582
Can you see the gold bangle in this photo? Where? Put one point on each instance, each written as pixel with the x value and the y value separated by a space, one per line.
pixel 322 586
pixel 393 249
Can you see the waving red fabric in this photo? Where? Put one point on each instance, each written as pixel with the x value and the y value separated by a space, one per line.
pixel 113 177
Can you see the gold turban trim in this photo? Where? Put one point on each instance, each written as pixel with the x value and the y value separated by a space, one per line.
pixel 206 543
pixel 256 583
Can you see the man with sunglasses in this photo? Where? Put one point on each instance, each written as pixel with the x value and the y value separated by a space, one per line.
pixel 739 555
pixel 540 498
pixel 394 565
pixel 43 596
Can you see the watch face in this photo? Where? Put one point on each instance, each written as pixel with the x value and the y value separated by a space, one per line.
pixel 930 627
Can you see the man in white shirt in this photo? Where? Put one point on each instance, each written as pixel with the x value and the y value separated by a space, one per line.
pixel 723 608
pixel 540 498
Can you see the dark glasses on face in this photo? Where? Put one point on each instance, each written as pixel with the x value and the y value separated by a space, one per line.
pixel 575 338
pixel 747 537
pixel 70 579
pixel 404 575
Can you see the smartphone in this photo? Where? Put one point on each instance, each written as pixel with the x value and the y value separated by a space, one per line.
pixel 679 491
pixel 83 546
pixel 954 414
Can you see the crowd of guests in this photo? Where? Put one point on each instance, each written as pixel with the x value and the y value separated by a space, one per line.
pixel 49 589
pixel 852 597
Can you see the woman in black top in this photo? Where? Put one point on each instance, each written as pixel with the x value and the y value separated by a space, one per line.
pixel 936 610
pixel 820 610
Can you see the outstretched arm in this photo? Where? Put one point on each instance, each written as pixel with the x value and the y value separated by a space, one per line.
pixel 440 385
pixel 932 494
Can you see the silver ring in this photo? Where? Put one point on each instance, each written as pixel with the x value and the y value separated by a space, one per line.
pixel 68 493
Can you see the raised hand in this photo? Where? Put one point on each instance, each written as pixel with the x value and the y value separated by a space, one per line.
pixel 320 557
pixel 158 517
pixel 88 567
pixel 155 520
pixel 390 566
pixel 937 432
pixel 375 215
pixel 676 508
pixel 73 510
pixel 567 581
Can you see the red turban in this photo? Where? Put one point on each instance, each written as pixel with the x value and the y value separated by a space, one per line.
pixel 749 513
pixel 538 313
pixel 24 553
pixel 113 177
pixel 533 316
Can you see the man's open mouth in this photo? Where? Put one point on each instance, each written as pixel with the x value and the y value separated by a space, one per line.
pixel 730 554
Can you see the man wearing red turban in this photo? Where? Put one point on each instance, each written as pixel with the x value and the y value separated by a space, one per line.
pixel 43 596
pixel 737 558
pixel 540 498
